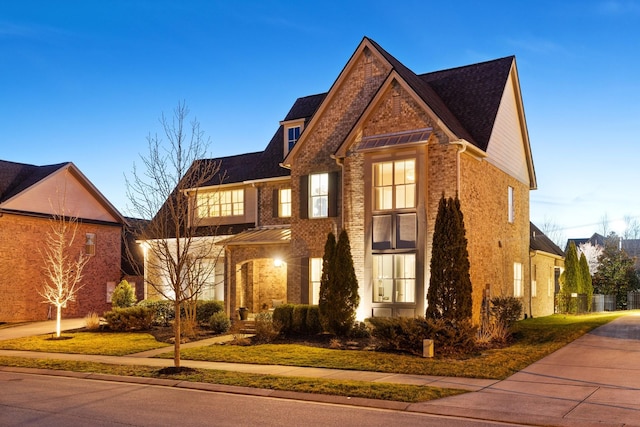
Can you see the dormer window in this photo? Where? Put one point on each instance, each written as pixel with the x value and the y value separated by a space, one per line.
pixel 292 131
pixel 293 134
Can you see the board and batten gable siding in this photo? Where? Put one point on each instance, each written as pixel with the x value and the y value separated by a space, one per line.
pixel 506 148
pixel 61 190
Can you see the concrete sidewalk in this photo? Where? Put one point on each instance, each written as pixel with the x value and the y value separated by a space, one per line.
pixel 592 381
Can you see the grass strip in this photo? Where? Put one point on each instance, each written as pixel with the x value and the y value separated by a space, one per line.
pixel 104 343
pixel 384 391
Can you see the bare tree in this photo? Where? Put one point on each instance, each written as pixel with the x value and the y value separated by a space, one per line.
pixel 63 264
pixel 553 231
pixel 631 228
pixel 604 223
pixel 180 254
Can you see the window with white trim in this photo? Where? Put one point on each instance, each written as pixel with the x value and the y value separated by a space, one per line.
pixel 220 203
pixel 284 202
pixel 90 244
pixel 394 277
pixel 293 134
pixel 517 280
pixel 394 185
pixel 315 276
pixel 319 195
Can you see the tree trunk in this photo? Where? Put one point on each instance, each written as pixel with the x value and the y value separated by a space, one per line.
pixel 58 317
pixel 177 336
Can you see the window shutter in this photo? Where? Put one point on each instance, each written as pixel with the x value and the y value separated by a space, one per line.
pixel 333 194
pixel 275 203
pixel 304 280
pixel 304 196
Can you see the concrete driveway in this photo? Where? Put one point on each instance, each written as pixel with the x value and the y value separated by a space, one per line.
pixel 39 328
pixel 594 380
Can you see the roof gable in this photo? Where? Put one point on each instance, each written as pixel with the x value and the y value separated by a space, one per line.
pixel 51 189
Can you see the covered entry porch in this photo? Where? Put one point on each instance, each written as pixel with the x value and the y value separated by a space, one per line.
pixel 256 269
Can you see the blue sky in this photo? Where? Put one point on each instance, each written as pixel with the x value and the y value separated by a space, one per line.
pixel 86 81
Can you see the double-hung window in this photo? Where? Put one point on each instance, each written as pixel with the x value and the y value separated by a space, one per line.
pixel 90 244
pixel 394 277
pixel 394 185
pixel 319 195
pixel 517 280
pixel 315 276
pixel 284 202
pixel 293 134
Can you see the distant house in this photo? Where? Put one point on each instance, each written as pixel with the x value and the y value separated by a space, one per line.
pixel 547 263
pixel 373 156
pixel 630 246
pixel 29 196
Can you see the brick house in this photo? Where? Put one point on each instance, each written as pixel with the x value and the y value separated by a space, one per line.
pixel 373 156
pixel 29 196
pixel 547 263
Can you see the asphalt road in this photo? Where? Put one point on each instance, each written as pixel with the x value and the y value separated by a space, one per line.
pixel 38 400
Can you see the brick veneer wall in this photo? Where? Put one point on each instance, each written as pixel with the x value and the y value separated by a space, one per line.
pixel 543 303
pixel 329 128
pixel 22 275
pixel 494 244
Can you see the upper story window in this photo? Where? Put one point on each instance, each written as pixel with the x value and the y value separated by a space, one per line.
pixel 90 244
pixel 394 184
pixel 510 202
pixel 220 203
pixel 319 195
pixel 293 134
pixel 284 202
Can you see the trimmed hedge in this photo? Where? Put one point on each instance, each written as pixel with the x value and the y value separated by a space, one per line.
pixel 406 334
pixel 301 319
pixel 129 318
pixel 164 312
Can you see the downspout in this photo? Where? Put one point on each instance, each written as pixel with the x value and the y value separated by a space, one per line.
pixel 257 212
pixel 531 256
pixel 340 162
pixel 462 147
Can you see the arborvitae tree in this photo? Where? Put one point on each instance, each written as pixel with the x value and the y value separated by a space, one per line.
pixel 571 273
pixel 326 280
pixel 339 298
pixel 586 281
pixel 571 280
pixel 449 294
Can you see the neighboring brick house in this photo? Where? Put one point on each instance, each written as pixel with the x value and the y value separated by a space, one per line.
pixel 29 196
pixel 547 263
pixel 373 156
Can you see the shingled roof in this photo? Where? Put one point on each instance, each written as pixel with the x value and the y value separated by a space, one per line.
pixel 465 98
pixel 538 241
pixel 264 164
pixel 17 177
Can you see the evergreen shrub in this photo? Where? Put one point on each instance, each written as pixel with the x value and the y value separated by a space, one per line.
pixel 129 318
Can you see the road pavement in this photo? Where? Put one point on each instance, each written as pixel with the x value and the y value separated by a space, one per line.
pixel 592 381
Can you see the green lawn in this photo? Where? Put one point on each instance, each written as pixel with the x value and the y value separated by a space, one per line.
pixel 106 343
pixel 535 338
